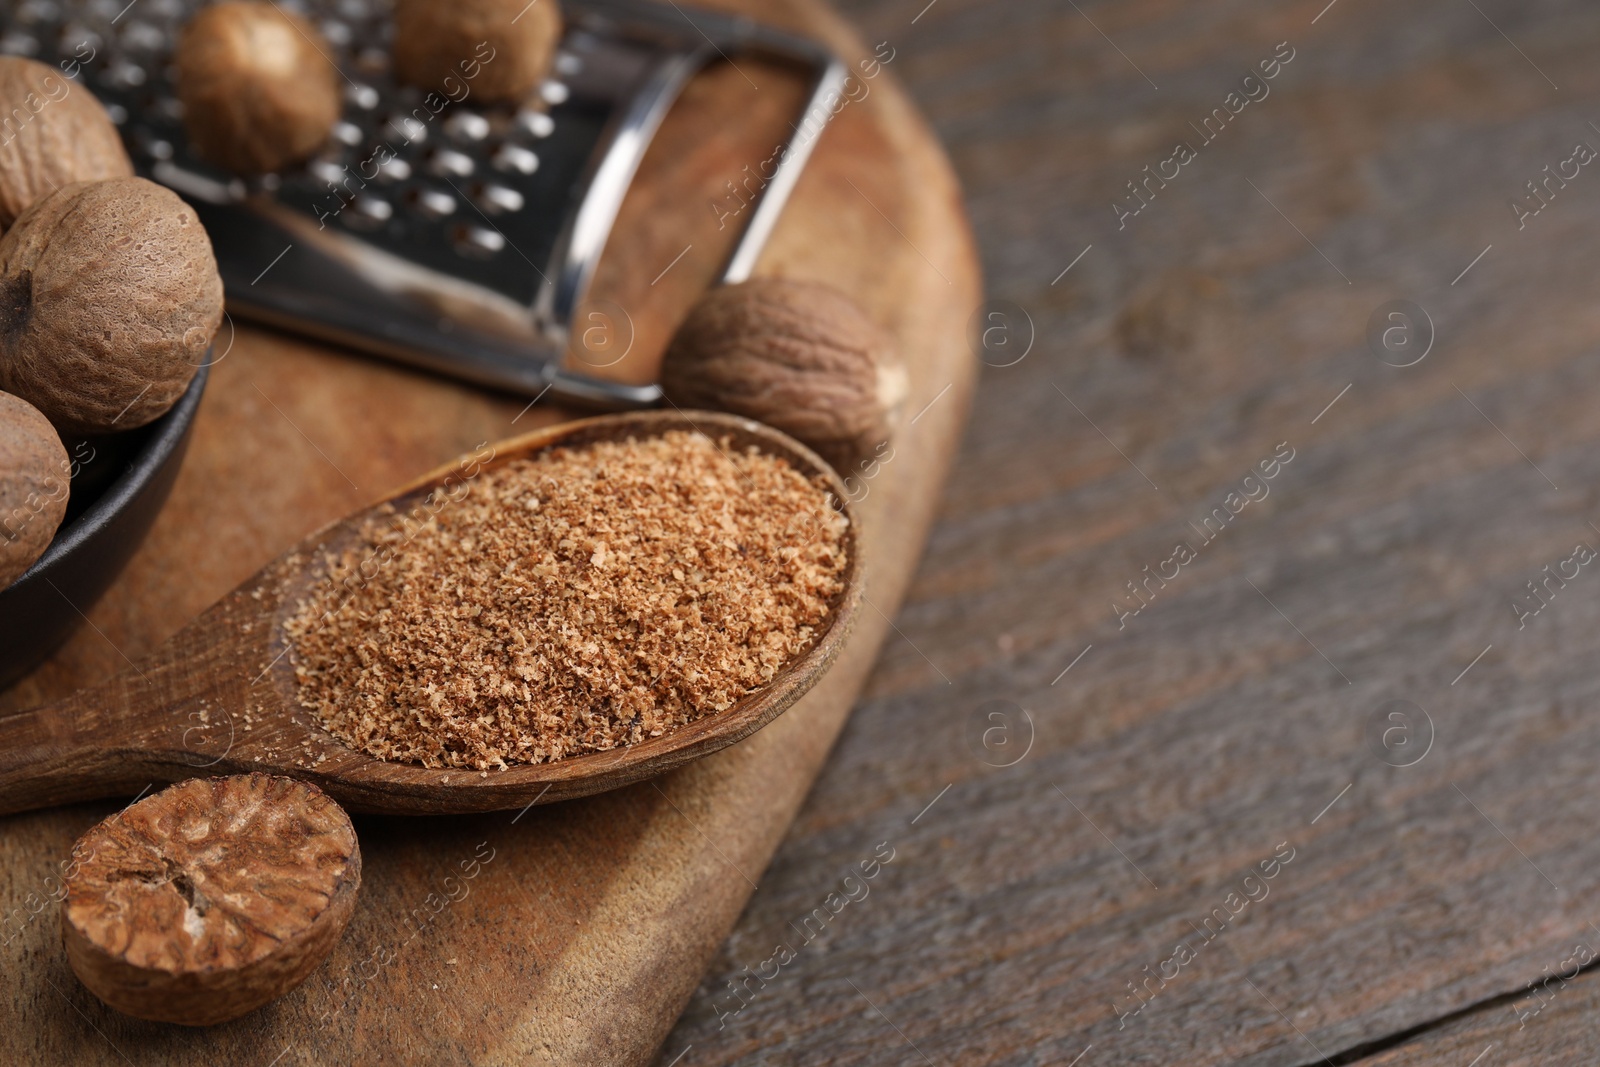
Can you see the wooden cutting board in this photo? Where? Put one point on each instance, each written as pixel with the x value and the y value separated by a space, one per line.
pixel 572 933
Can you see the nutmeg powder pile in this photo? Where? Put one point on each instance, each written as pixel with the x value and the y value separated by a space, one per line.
pixel 574 601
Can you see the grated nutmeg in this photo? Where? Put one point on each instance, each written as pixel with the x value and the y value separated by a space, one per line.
pixel 574 601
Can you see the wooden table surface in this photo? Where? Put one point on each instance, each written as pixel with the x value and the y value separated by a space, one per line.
pixel 1347 682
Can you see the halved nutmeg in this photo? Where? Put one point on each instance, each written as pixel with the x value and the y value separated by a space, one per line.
pixel 211 898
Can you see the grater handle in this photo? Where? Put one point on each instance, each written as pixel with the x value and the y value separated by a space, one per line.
pixel 830 79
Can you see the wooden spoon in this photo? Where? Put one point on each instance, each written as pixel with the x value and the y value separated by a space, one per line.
pixel 220 696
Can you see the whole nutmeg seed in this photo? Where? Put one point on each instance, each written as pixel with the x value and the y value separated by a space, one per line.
pixel 211 898
pixel 35 482
pixel 109 298
pixel 798 356
pixel 496 50
pixel 56 133
pixel 259 92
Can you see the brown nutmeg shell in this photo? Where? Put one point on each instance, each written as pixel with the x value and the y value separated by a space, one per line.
pixel 35 482
pixel 109 299
pixel 56 133
pixel 259 91
pixel 211 898
pixel 498 50
pixel 798 356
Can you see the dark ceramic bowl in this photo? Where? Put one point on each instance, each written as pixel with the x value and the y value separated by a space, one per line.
pixel 121 483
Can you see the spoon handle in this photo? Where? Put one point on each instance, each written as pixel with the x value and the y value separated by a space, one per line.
pixel 57 754
pixel 171 716
pixel 144 727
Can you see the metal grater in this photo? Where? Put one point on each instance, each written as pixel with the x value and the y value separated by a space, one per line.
pixel 471 250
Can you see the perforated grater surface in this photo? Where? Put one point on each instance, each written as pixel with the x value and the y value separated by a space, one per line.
pixel 460 238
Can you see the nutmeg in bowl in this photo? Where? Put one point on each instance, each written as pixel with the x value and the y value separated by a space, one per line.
pixel 34 478
pixel 56 133
pixel 118 486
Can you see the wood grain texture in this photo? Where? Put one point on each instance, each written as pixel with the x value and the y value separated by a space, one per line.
pixel 1548 1025
pixel 572 933
pixel 1180 751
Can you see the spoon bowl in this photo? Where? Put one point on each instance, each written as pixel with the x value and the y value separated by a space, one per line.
pixel 220 697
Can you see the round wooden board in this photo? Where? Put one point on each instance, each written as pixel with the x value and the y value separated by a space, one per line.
pixel 572 933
